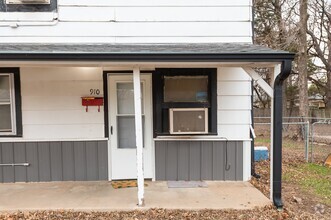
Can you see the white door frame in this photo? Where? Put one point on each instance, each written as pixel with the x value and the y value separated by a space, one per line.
pixel 148 108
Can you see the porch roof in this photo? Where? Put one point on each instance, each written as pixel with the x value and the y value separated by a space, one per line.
pixel 143 52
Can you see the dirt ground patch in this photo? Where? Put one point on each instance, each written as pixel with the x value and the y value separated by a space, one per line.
pixel 299 198
pixel 262 213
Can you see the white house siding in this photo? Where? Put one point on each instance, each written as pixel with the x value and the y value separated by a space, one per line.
pixel 51 103
pixel 132 21
pixel 234 103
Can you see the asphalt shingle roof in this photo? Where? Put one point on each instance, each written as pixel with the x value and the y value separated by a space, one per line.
pixel 215 48
pixel 216 52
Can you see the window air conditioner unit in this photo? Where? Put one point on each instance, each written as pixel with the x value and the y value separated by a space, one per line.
pixel 28 2
pixel 188 120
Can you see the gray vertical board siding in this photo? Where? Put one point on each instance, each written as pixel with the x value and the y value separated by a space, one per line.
pixel 230 174
pixel 80 161
pixel 206 163
pixel 44 157
pixel 171 157
pixel 92 172
pixel 103 160
pixel 54 161
pixel 198 160
pixel 32 159
pixel 68 161
pixel 184 162
pixel 218 159
pixel 195 160
pixel 20 157
pixel 240 162
pixel 160 170
pixel 8 157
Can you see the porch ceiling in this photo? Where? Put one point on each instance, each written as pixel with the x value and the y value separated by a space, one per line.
pixel 202 52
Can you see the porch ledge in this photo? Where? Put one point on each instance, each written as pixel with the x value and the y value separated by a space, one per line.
pixel 197 138
pixel 13 139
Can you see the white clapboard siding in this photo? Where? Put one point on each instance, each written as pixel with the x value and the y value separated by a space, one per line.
pixel 58 103
pixel 160 3
pixel 233 102
pixel 232 74
pixel 60 117
pixel 132 21
pixel 237 88
pixel 52 106
pixel 74 39
pixel 93 29
pixel 49 132
pixel 33 74
pixel 233 131
pixel 61 88
pixel 236 117
pixel 154 14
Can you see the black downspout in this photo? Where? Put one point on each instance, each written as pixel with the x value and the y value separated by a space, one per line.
pixel 277 133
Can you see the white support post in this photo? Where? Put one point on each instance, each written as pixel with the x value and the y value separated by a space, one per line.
pixel 139 135
pixel 274 73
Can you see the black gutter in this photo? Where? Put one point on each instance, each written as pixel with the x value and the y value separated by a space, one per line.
pixel 147 57
pixel 277 133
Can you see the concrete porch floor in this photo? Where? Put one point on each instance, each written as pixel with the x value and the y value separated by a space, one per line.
pixel 100 196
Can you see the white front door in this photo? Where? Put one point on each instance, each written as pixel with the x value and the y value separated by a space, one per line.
pixel 122 146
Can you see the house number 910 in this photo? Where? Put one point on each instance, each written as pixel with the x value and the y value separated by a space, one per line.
pixel 94 91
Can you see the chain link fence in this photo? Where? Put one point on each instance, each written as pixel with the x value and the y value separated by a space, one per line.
pixel 311 134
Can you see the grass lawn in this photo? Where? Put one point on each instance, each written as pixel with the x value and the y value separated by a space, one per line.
pixel 310 182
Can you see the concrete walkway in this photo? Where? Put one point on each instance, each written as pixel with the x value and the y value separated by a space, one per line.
pixel 100 196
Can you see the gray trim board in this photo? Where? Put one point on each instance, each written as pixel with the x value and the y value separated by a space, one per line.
pixel 54 161
pixel 198 160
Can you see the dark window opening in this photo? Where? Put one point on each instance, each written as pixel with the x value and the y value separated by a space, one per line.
pixel 10 103
pixel 185 101
pixel 6 7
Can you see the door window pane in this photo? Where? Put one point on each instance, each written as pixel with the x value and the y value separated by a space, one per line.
pixel 5 118
pixel 186 89
pixel 125 98
pixel 127 132
pixel 4 88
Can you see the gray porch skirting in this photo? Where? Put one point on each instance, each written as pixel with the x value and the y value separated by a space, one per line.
pixel 54 161
pixel 88 161
pixel 199 160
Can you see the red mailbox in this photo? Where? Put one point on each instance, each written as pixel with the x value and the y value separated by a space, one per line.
pixel 92 101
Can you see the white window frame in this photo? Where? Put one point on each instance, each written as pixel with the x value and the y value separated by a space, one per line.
pixel 171 118
pixel 12 105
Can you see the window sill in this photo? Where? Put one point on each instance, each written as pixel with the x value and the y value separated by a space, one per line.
pixel 196 138
pixel 10 136
pixel 28 16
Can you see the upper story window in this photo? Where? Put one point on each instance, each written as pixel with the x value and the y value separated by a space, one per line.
pixel 10 103
pixel 185 101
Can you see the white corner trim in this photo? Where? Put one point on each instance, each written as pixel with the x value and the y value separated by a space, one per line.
pixel 247 160
pixel 258 79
